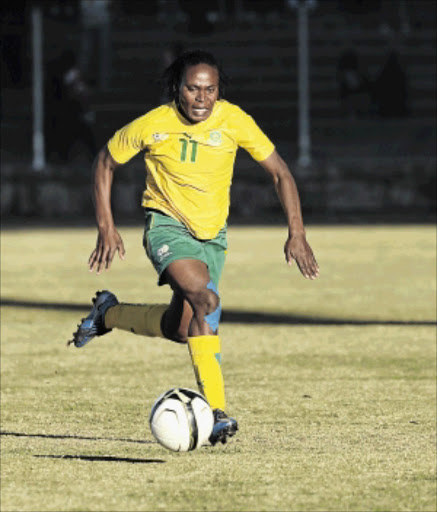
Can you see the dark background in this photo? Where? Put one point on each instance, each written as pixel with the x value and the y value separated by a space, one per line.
pixel 372 98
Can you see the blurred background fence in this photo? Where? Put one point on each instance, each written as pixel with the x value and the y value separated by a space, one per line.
pixel 372 100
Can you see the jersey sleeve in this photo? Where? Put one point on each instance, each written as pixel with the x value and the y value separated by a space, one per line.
pixel 250 137
pixel 128 141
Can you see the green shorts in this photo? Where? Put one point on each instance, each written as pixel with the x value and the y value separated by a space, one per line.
pixel 166 240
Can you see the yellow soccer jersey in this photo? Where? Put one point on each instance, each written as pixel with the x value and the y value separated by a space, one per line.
pixel 190 166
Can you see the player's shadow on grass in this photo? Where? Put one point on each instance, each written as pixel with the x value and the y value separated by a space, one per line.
pixel 102 458
pixel 235 316
pixel 70 436
pixel 89 458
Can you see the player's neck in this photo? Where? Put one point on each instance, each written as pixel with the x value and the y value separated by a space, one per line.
pixel 183 114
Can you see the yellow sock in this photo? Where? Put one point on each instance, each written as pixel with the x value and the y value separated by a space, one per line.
pixel 144 319
pixel 205 354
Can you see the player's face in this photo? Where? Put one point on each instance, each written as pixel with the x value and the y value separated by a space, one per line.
pixel 199 91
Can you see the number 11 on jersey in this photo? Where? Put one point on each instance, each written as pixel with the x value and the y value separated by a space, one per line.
pixel 184 150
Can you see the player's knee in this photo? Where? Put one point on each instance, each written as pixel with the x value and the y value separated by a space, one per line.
pixel 203 301
pixel 206 304
pixel 212 317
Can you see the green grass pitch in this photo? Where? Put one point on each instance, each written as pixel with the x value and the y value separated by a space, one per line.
pixel 332 381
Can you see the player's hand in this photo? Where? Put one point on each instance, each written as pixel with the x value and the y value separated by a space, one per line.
pixel 297 249
pixel 108 243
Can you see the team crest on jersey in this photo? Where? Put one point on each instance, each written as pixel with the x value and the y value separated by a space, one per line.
pixel 158 137
pixel 215 138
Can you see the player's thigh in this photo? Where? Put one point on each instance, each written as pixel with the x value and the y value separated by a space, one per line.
pixel 187 276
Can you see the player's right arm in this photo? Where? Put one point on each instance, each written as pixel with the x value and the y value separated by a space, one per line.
pixel 124 145
pixel 108 239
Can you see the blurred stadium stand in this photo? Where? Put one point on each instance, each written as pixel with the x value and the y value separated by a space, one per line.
pixel 365 164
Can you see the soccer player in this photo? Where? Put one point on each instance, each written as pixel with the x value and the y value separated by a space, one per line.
pixel 189 148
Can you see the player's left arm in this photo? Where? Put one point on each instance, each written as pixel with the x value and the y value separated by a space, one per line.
pixel 296 247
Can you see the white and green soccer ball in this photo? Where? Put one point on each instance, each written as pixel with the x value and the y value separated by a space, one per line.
pixel 181 420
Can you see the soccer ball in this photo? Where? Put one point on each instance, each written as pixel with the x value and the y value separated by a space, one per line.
pixel 181 420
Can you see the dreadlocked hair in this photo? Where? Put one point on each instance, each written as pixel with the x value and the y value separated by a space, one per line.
pixel 173 75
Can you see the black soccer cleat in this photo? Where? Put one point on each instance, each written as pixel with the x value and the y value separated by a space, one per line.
pixel 224 427
pixel 94 324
